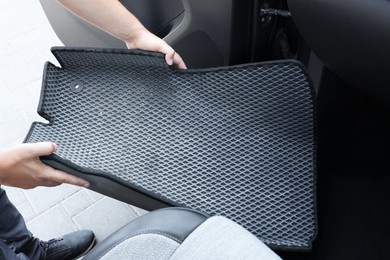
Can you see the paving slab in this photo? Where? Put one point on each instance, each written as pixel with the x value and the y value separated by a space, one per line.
pixel 53 223
pixel 77 203
pixel 25 41
pixel 43 198
pixel 104 216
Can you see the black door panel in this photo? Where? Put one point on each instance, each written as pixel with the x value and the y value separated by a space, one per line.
pixel 352 38
pixel 155 15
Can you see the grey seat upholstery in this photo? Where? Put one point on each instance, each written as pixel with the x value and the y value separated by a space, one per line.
pixel 181 233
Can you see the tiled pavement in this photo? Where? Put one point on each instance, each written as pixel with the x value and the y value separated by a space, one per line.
pixel 25 41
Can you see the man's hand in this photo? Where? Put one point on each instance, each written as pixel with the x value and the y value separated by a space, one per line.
pixel 144 40
pixel 20 167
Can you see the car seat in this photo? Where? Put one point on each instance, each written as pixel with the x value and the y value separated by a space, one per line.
pixel 181 233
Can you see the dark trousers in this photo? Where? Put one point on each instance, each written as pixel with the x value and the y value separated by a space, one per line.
pixel 16 242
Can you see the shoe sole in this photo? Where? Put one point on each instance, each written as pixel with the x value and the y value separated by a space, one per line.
pixel 86 250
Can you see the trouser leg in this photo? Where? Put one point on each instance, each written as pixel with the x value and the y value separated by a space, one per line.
pixel 14 233
pixel 7 254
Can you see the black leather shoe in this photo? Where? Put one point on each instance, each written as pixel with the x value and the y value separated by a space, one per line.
pixel 70 246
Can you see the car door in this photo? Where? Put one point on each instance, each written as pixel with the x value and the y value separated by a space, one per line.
pixel 200 30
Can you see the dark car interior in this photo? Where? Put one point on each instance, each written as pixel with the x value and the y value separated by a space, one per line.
pixel 345 48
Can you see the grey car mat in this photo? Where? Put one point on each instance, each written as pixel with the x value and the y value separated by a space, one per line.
pixel 236 141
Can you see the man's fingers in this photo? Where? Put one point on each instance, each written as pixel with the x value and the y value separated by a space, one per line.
pixel 57 176
pixel 41 149
pixel 51 184
pixel 150 42
pixel 168 51
pixel 53 177
pixel 171 57
pixel 178 61
pixel 174 58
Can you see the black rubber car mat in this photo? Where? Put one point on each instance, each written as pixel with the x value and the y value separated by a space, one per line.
pixel 236 141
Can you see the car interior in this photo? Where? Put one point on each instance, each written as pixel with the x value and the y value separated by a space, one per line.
pixel 344 47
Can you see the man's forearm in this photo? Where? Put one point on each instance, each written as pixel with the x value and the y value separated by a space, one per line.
pixel 112 17
pixel 108 15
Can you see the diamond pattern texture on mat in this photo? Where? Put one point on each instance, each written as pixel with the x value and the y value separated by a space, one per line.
pixel 236 141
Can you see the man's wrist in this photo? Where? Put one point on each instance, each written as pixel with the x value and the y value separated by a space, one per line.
pixel 131 37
